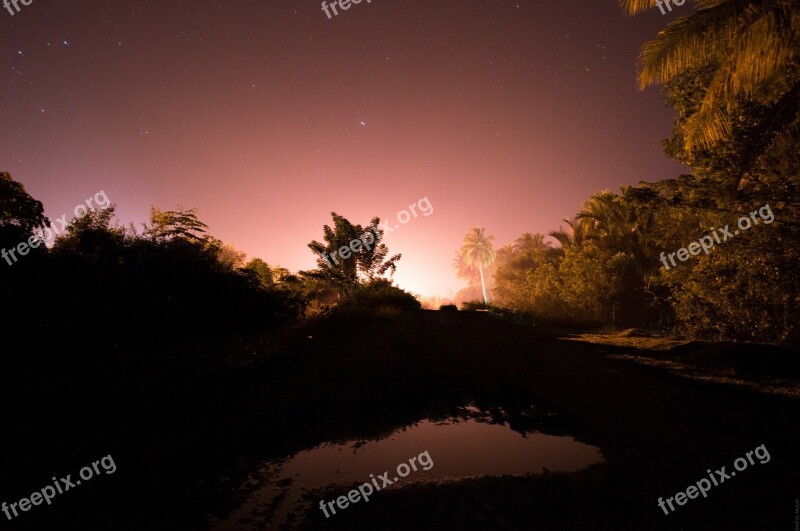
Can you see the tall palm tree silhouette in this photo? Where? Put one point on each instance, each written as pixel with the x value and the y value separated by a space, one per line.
pixel 477 252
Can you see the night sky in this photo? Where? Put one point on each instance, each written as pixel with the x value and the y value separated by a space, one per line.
pixel 267 116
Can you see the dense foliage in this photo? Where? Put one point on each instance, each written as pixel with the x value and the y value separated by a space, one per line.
pixel 351 255
pixel 731 70
pixel 171 284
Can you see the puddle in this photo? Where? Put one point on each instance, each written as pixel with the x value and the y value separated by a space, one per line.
pixel 473 444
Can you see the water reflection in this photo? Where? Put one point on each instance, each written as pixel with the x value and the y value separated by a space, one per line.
pixel 474 443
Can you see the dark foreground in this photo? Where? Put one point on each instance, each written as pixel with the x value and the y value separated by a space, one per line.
pixel 183 448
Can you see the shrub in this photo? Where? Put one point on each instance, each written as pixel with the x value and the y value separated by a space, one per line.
pixel 378 297
pixel 472 306
pixel 448 308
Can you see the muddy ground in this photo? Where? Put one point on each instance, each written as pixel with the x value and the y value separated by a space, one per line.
pixel 184 446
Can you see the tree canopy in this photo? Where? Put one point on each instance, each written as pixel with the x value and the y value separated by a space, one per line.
pixel 365 254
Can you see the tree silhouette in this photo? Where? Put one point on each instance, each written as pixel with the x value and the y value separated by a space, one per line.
pixel 477 252
pixel 577 235
pixel 365 262
pixel 261 271
pixel 20 214
pixel 464 271
pixel 175 224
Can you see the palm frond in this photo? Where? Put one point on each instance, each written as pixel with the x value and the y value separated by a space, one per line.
pixel 692 41
pixel 633 7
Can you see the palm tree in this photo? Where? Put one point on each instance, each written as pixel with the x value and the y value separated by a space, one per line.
pixel 532 244
pixel 616 225
pixel 752 49
pixel 575 237
pixel 477 252
pixel 468 273
pixel 610 221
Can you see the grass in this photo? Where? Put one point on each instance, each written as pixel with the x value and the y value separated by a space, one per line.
pixel 765 368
